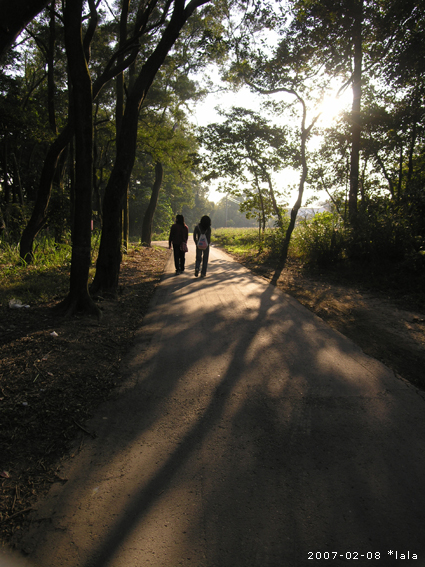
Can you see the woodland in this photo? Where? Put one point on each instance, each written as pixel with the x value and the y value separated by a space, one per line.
pixel 97 132
pixel 99 150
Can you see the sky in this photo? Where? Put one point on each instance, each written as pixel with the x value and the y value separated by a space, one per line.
pixel 205 113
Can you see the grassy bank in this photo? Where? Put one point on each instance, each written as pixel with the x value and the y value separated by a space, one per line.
pixel 318 251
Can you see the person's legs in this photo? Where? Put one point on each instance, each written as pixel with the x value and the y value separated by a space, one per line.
pixel 182 260
pixel 198 261
pixel 176 250
pixel 206 254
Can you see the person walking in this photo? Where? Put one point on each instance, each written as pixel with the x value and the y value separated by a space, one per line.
pixel 202 238
pixel 179 233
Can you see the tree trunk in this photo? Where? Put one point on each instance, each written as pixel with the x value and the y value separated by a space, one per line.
pixel 14 17
pixel 109 258
pixel 305 132
pixel 50 70
pixel 39 213
pixel 298 203
pixel 356 127
pixel 119 111
pixel 79 298
pixel 150 211
pixel 276 208
pixel 5 161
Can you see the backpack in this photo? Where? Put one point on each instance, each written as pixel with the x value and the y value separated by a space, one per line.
pixel 202 242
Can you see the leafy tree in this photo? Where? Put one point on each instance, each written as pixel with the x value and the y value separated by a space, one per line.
pixel 165 137
pixel 336 32
pixel 108 66
pixel 79 297
pixel 109 258
pixel 246 149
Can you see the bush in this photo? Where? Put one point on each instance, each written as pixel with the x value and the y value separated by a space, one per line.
pixel 384 234
pixel 321 240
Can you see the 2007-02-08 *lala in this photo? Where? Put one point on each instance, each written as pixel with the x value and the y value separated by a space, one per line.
pixel 355 555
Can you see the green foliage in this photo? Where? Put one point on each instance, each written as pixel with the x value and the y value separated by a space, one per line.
pixel 15 218
pixel 246 241
pixel 236 240
pixel 386 233
pixel 46 278
pixel 245 149
pixel 321 240
pixel 273 239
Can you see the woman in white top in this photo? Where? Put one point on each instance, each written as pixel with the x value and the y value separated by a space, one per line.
pixel 202 238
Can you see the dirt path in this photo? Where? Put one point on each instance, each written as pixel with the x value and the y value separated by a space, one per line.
pixel 247 433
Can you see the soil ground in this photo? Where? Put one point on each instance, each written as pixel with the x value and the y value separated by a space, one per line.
pixel 50 384
pixel 384 316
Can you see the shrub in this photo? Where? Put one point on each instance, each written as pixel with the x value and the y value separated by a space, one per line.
pixel 321 240
pixel 383 234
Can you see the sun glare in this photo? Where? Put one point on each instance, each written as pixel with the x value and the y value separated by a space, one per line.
pixel 333 106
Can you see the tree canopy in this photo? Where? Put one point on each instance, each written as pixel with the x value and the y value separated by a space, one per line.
pixel 116 100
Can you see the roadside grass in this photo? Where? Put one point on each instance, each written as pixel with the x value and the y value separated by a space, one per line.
pixel 313 252
pixel 45 279
pixel 242 241
pixel 245 244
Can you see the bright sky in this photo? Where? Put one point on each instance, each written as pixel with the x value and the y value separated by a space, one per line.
pixel 205 113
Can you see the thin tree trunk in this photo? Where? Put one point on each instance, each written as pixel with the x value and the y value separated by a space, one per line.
pixel 305 132
pixel 109 257
pixel 119 111
pixel 413 138
pixel 400 172
pixel 39 214
pixel 5 160
pixel 298 203
pixel 260 196
pixel 150 211
pixel 356 127
pixel 386 175
pixel 276 208
pixel 79 298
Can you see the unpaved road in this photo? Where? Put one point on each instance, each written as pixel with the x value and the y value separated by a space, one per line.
pixel 248 433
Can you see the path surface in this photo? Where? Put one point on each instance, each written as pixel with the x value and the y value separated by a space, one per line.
pixel 248 434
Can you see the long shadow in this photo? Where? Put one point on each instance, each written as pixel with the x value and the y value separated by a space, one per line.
pixel 285 482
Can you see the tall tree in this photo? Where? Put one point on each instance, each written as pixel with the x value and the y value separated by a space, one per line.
pixel 109 258
pixel 342 33
pixel 14 16
pixel 289 70
pixel 82 103
pixel 113 65
pixel 246 148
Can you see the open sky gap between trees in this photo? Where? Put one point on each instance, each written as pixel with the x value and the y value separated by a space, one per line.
pixel 97 127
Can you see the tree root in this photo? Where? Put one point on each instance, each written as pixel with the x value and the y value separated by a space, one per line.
pixel 279 269
pixel 81 303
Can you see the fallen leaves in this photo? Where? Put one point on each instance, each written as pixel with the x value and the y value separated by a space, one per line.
pixel 54 372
